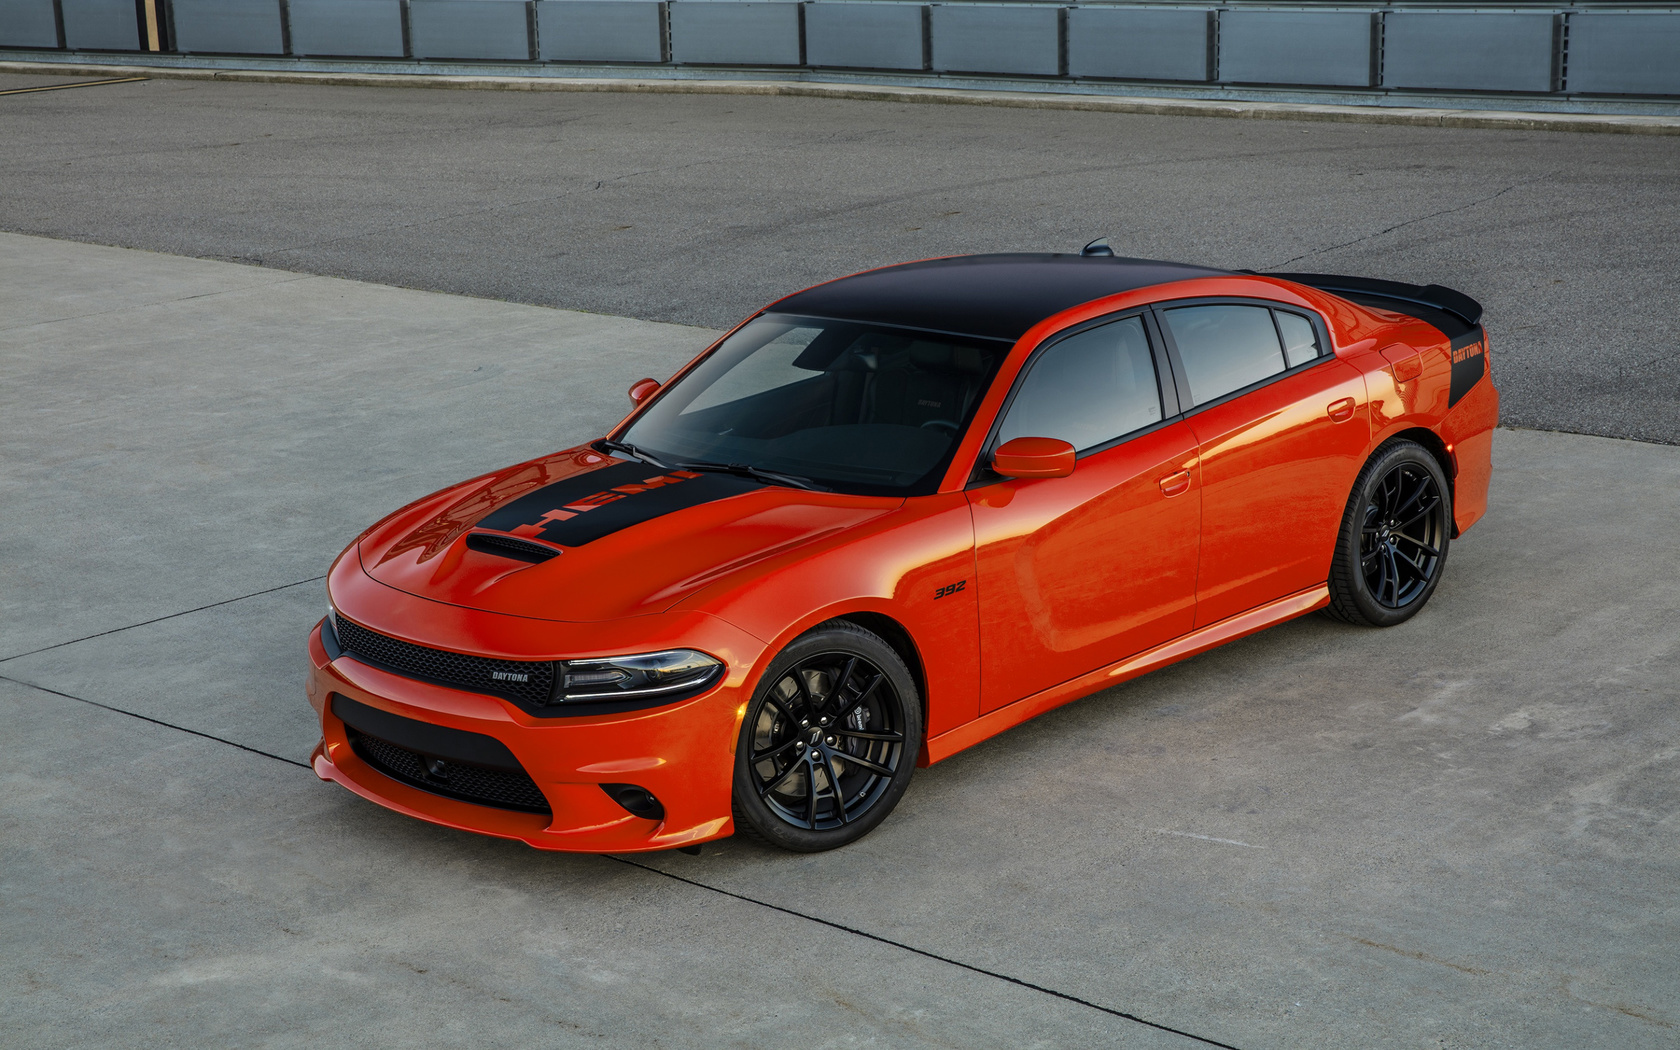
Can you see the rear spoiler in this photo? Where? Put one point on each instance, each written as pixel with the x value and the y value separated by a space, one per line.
pixel 1454 313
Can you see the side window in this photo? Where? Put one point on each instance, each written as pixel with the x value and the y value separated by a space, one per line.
pixel 1089 388
pixel 1300 341
pixel 1224 348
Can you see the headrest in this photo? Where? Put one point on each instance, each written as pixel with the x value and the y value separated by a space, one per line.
pixel 943 357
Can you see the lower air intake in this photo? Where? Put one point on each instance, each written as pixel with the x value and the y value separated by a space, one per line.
pixel 486 787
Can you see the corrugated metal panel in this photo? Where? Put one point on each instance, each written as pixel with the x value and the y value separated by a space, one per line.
pixel 1469 51
pixel 984 39
pixel 370 28
pixel 1140 43
pixel 600 31
pixel 1624 54
pixel 735 34
pixel 229 27
pixel 871 35
pixel 29 23
pixel 101 25
pixel 1331 48
pixel 484 29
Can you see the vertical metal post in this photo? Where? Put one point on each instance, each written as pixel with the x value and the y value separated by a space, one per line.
pixel 1560 52
pixel 1061 41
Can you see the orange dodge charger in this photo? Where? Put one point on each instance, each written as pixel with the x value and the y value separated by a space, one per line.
pixel 886 518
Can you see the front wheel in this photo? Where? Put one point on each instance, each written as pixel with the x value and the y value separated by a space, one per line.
pixel 1393 543
pixel 829 741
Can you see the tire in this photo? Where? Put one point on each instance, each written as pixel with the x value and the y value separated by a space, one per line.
pixel 1393 543
pixel 836 707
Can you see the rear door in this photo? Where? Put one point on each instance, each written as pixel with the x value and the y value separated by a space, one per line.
pixel 1281 427
pixel 1078 572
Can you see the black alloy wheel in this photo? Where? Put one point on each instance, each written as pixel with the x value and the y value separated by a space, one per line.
pixel 829 742
pixel 1394 537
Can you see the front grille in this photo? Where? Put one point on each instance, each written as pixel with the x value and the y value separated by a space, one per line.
pixel 474 673
pixel 501 788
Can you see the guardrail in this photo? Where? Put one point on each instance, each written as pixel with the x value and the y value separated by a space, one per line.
pixel 1519 50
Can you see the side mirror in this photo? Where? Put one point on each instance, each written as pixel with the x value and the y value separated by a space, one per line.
pixel 642 389
pixel 1033 457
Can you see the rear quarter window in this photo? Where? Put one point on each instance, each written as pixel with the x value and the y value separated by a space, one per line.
pixel 1224 347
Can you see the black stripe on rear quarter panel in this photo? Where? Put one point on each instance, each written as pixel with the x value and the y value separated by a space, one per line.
pixel 584 507
pixel 1469 364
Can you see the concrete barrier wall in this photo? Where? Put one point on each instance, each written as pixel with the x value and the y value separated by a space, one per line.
pixel 868 35
pixel 1321 48
pixel 498 30
pixel 28 23
pixel 1024 41
pixel 601 31
pixel 1141 43
pixel 724 33
pixel 101 25
pixel 228 27
pixel 1633 54
pixel 1510 51
pixel 1531 51
pixel 370 28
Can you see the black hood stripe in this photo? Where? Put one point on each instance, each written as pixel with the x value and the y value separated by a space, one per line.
pixel 584 507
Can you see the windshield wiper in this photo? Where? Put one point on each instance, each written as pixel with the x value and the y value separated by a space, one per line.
pixel 609 445
pixel 745 470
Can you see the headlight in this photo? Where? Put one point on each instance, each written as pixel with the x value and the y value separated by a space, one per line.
pixel 668 673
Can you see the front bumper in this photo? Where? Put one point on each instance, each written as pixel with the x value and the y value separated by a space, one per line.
pixel 682 753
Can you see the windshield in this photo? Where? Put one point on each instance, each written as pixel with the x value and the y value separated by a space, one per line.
pixel 859 408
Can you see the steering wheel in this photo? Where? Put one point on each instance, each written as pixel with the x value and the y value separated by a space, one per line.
pixel 946 423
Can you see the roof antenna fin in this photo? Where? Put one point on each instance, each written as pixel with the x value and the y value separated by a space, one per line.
pixel 1098 247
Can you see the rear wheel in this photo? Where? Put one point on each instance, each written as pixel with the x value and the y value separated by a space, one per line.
pixel 829 741
pixel 1393 544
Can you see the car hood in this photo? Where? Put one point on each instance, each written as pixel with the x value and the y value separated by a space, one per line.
pixel 634 539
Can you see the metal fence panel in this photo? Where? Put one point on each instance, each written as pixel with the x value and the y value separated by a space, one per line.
pixel 735 34
pixel 600 31
pixel 980 39
pixel 233 27
pixel 1138 43
pixel 371 28
pixel 1624 54
pixel 101 25
pixel 1509 51
pixel 28 23
pixel 1329 48
pixel 483 29
pixel 871 35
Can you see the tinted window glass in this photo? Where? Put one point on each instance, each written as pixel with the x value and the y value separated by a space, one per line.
pixel 1224 348
pixel 851 406
pixel 1089 388
pixel 1300 341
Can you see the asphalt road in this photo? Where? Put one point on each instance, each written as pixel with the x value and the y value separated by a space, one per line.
pixel 698 209
pixel 1457 833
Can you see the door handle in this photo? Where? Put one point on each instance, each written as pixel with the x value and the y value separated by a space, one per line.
pixel 1341 411
pixel 1173 484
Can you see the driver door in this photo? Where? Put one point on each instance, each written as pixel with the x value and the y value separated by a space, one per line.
pixel 1078 572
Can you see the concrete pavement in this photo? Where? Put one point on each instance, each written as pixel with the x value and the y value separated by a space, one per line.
pixel 1456 833
pixel 699 209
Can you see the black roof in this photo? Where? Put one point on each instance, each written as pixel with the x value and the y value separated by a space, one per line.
pixel 994 296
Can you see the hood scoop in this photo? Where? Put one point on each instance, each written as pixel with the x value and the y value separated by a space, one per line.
pixel 511 547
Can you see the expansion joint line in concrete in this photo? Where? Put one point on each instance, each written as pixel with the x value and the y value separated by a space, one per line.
pixel 157 722
pixel 1204 1040
pixel 81 83
pixel 1122 1014
pixel 160 619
